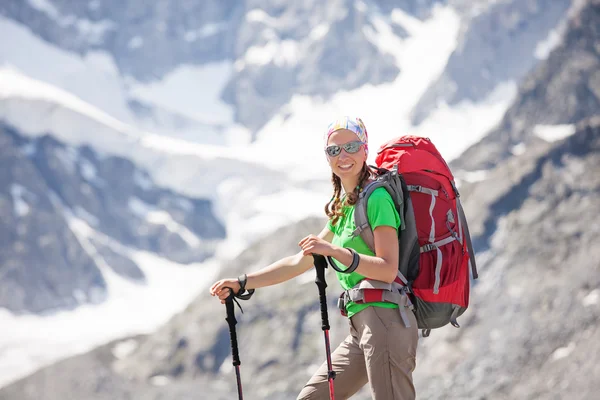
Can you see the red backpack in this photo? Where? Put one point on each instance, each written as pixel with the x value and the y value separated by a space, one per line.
pixel 435 245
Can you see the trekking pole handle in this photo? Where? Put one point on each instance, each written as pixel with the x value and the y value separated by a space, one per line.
pixel 320 265
pixel 231 321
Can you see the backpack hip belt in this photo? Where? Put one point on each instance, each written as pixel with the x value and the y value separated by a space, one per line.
pixel 369 291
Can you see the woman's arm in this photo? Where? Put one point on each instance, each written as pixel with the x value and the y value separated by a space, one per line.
pixel 382 267
pixel 280 271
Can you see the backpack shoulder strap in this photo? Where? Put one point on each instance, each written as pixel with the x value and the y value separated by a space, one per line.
pixel 392 182
pixel 361 219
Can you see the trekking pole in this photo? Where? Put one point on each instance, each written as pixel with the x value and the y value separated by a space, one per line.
pixel 320 265
pixel 231 321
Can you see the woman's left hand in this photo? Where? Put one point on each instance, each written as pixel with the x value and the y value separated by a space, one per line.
pixel 315 245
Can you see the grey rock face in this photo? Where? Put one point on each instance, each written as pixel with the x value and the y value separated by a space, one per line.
pixel 42 265
pixel 51 191
pixel 562 90
pixel 497 45
pixel 340 57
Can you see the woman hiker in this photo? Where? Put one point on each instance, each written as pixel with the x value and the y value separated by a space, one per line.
pixel 380 350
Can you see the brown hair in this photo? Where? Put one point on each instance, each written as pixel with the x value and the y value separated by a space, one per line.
pixel 334 207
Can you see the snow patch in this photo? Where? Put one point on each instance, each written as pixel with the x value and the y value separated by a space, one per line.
pixel 563 352
pixel 319 32
pixel 553 133
pixel 545 47
pixel 592 298
pixel 20 206
pixel 518 149
pixel 88 218
pixel 410 24
pixel 124 348
pixel 258 15
pixel 15 85
pixel 193 91
pixel 384 38
pixel 204 32
pixel 89 172
pixel 45 7
pixel 279 52
pixel 81 76
pixel 160 217
pixel 160 380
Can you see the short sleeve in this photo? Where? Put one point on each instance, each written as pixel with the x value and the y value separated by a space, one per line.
pixel 381 210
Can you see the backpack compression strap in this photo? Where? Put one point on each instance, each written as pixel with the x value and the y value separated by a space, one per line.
pixel 463 221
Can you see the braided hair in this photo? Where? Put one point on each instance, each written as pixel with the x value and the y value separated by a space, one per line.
pixel 334 209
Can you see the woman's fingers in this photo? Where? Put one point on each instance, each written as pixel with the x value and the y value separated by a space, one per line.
pixel 307 244
pixel 307 240
pixel 216 287
pixel 222 288
pixel 224 294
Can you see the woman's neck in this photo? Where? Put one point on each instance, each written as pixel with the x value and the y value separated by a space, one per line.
pixel 350 184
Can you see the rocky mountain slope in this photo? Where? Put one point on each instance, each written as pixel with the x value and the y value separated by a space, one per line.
pixel 563 90
pixel 69 213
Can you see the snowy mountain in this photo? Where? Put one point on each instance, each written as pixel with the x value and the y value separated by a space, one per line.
pixel 75 212
pixel 146 108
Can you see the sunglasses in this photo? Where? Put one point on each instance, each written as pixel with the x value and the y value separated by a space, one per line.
pixel 351 147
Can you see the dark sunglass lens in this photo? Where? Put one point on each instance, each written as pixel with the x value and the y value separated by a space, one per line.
pixel 333 150
pixel 352 147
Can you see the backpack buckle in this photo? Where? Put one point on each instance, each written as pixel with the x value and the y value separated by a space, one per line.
pixel 428 247
pixel 341 303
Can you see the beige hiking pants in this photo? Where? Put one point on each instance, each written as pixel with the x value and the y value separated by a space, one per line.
pixel 380 350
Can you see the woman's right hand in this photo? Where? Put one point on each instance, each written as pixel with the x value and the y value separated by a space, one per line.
pixel 223 288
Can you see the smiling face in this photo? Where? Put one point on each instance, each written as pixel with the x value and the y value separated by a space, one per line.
pixel 346 165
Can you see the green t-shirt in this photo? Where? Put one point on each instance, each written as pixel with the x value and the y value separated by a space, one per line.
pixel 380 211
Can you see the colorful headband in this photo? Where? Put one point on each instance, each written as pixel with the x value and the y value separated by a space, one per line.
pixel 352 124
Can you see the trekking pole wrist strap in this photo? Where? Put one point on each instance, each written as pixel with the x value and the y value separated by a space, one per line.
pixel 242 280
